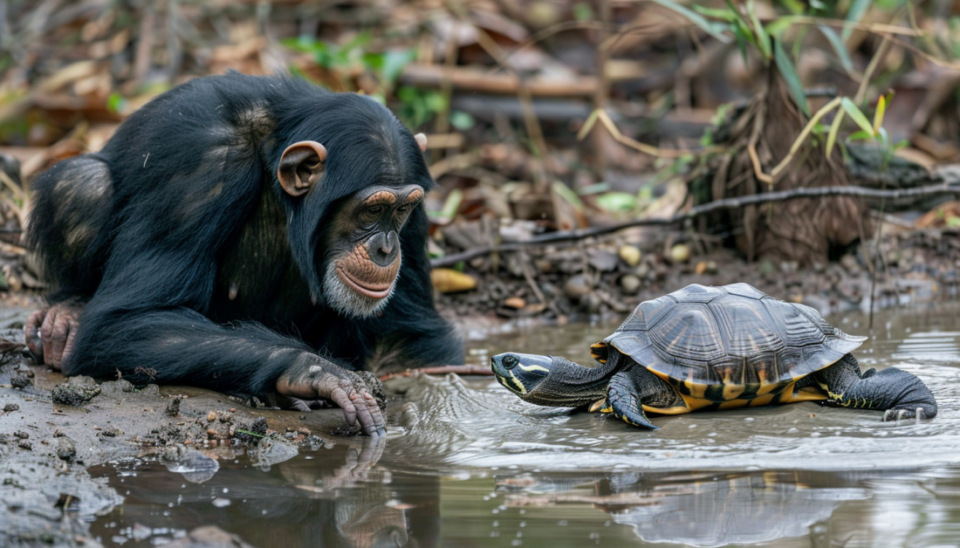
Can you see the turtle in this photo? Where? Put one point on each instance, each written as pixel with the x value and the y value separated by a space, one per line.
pixel 715 348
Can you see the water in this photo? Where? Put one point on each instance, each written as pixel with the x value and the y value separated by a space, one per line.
pixel 468 464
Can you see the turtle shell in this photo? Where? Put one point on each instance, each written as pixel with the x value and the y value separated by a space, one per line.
pixel 732 335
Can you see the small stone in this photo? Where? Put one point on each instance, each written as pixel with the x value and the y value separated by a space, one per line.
pixel 706 267
pixel 576 287
pixel 21 434
pixel 20 381
pixel 679 253
pixel 233 409
pixel 24 444
pixel 630 255
pixel 74 394
pixel 630 284
pixel 515 302
pixel 849 263
pixel 211 416
pixel 11 407
pixel 173 409
pixel 303 430
pixel 65 449
pixel 212 433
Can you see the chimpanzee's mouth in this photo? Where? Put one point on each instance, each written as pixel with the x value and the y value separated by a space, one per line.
pixel 373 291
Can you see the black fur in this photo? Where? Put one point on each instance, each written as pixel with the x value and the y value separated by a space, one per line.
pixel 193 208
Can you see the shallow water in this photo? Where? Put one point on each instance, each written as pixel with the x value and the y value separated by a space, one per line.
pixel 468 464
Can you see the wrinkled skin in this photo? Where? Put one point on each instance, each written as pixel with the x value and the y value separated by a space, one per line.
pixel 344 388
pixel 51 332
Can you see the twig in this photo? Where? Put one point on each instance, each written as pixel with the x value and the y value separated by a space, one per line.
pixel 441 370
pixel 729 203
pixel 608 123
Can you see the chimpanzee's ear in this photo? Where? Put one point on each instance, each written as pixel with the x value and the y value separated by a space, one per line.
pixel 301 166
pixel 422 141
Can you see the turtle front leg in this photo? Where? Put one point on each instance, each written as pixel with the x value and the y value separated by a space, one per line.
pixel 899 394
pixel 629 390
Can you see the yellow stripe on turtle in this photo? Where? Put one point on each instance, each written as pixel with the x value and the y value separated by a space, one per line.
pixel 807 393
pixel 598 351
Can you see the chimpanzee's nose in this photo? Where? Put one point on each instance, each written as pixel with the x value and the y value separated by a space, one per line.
pixel 384 248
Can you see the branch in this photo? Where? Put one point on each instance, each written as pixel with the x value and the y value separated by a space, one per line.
pixel 729 203
pixel 441 370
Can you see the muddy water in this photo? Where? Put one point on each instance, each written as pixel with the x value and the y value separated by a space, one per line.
pixel 468 464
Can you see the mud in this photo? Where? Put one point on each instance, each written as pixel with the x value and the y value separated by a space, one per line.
pixel 52 428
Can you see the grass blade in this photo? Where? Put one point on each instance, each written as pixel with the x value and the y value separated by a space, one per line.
pixel 790 76
pixel 856 115
pixel 696 19
pixel 838 46
pixel 857 9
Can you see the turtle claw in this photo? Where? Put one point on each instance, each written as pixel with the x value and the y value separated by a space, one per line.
pixel 901 414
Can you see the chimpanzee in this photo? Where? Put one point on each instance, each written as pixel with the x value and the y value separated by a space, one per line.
pixel 245 234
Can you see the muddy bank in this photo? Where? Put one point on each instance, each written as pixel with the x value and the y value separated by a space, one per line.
pixel 53 428
pixel 608 279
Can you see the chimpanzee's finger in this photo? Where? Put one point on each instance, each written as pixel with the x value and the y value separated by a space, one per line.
pixel 58 339
pixel 340 397
pixel 71 341
pixel 371 403
pixel 370 420
pixel 32 333
pixel 46 335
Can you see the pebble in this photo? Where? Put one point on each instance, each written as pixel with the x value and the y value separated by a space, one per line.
pixel 515 302
pixel 211 416
pixel 630 284
pixel 630 255
pixel 679 253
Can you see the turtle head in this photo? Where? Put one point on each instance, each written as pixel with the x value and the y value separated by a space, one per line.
pixel 549 380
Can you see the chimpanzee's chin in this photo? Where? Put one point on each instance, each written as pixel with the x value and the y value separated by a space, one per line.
pixel 348 302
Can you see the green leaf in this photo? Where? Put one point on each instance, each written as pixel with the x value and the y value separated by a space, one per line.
pixel 796 7
pixel 860 136
pixel 856 115
pixel 790 76
pixel 394 62
pixel 617 201
pixel 723 15
pixel 953 221
pixel 115 102
pixel 763 40
pixel 834 129
pixel 461 120
pixel 742 39
pixel 582 11
pixel 779 26
pixel 696 19
pixel 838 46
pixel 857 9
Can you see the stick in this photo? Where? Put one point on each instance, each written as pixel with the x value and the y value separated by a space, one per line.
pixel 728 203
pixel 442 370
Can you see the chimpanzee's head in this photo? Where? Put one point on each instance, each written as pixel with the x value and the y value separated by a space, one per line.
pixel 356 191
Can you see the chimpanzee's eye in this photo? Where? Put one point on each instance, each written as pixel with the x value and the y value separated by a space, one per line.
pixel 375 210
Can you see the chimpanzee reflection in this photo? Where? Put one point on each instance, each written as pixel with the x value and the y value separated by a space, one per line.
pixel 335 496
pixel 707 509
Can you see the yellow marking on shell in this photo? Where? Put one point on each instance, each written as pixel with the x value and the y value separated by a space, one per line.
pixel 765 386
pixel 607 409
pixel 807 393
pixel 597 405
pixel 692 404
pixel 516 381
pixel 676 410
pixel 731 391
pixel 762 400
pixel 532 368
pixel 696 389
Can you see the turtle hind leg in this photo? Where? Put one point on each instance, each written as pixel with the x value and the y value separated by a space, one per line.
pixel 899 394
pixel 629 390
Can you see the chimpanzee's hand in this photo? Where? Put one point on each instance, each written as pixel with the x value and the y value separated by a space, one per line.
pixel 50 333
pixel 345 388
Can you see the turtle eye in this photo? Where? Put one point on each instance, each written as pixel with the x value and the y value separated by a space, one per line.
pixel 509 361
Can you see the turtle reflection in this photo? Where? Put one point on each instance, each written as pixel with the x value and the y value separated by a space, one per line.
pixel 701 509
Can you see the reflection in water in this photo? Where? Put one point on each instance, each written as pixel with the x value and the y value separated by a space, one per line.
pixel 504 473
pixel 701 509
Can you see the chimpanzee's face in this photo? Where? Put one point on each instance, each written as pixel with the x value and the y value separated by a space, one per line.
pixel 363 256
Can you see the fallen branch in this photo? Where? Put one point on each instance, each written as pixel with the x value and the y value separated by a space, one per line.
pixel 441 370
pixel 728 203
